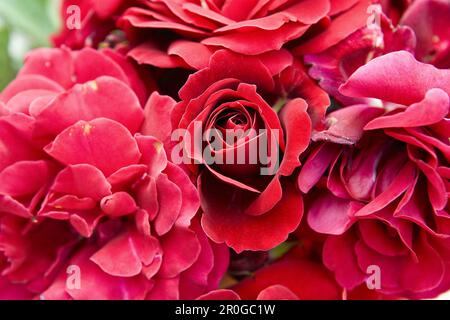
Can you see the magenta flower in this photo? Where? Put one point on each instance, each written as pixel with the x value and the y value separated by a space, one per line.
pixel 381 177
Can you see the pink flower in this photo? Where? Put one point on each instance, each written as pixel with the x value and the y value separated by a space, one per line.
pixel 84 183
pixel 381 177
pixel 417 27
pixel 429 20
pixel 333 66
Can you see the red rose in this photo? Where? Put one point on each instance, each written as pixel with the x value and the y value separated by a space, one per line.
pixel 382 179
pixel 226 97
pixel 173 33
pixel 83 185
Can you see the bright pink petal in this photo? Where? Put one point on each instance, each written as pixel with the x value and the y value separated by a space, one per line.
pixel 432 109
pixel 82 181
pixel 396 77
pixel 400 184
pixel 25 178
pixel 119 204
pixel 29 82
pixel 340 28
pixel 104 97
pixel 102 143
pixel 54 64
pixel 157 117
pixel 170 201
pixel 98 285
pixel 125 255
pixel 332 215
pixel 181 249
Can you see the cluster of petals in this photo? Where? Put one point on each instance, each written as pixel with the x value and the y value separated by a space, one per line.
pixel 378 178
pixel 86 187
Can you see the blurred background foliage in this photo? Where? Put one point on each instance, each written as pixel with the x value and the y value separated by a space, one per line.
pixel 24 25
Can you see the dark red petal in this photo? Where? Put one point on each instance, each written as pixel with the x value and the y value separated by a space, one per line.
pixel 297 126
pixel 340 28
pixel 53 64
pixel 221 294
pixel 224 65
pixel 305 279
pixel 125 255
pixel 339 256
pixel 169 201
pixel 277 292
pixel 254 42
pixel 261 232
pixel 119 204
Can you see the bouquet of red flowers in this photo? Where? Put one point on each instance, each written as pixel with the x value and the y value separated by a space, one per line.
pixel 230 149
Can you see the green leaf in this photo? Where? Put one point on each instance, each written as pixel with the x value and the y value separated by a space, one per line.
pixel 31 17
pixel 7 71
pixel 53 12
pixel 278 252
pixel 278 106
